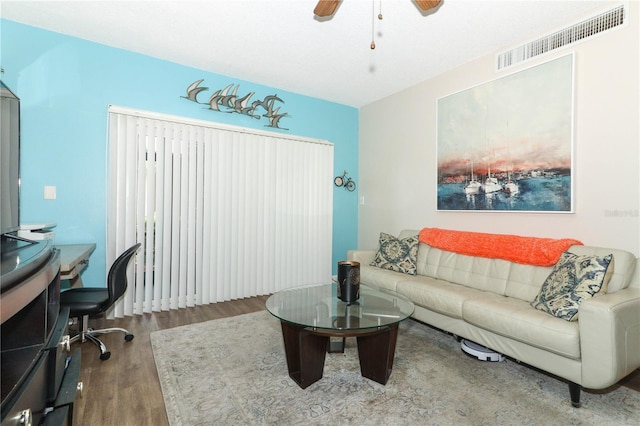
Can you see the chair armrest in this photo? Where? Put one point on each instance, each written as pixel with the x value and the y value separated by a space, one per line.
pixel 365 257
pixel 609 337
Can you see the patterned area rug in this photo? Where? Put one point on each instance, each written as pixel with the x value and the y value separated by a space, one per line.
pixel 233 371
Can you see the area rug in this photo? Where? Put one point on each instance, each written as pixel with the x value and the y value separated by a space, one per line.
pixel 233 371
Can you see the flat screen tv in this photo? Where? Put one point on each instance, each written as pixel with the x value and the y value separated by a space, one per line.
pixel 9 161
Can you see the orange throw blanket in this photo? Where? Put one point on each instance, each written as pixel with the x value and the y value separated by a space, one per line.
pixel 519 249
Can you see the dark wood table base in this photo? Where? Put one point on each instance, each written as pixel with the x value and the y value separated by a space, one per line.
pixel 306 349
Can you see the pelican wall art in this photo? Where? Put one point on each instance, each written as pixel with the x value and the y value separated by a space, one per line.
pixel 227 100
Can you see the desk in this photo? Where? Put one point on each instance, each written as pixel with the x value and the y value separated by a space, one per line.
pixel 73 259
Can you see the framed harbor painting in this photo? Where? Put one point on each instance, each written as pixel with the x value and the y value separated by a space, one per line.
pixel 507 145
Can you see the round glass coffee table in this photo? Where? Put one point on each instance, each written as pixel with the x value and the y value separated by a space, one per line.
pixel 311 316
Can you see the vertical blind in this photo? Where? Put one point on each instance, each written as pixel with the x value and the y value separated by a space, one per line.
pixel 222 212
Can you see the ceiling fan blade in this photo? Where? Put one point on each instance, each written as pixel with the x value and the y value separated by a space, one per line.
pixel 326 7
pixel 427 4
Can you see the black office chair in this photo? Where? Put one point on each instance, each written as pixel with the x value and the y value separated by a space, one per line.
pixel 85 302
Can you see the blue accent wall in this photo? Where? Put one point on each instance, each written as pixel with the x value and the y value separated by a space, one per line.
pixel 65 85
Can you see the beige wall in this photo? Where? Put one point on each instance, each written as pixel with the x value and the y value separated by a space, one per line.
pixel 397 179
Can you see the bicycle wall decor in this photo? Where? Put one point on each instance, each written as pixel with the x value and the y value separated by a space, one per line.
pixel 346 182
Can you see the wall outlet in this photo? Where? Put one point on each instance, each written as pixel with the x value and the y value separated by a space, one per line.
pixel 49 192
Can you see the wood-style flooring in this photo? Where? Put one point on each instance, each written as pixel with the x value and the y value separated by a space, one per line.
pixel 124 390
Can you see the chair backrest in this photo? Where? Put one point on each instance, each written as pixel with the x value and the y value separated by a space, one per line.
pixel 117 279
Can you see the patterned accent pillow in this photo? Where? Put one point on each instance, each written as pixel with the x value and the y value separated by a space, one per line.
pixel 397 255
pixel 573 279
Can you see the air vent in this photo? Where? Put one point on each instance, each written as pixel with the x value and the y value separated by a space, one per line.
pixel 585 29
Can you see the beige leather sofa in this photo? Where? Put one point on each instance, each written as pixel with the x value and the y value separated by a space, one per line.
pixel 487 301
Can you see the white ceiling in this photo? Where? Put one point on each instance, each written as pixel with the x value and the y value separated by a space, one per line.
pixel 279 43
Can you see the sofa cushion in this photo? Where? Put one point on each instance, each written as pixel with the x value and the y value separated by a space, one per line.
pixel 625 264
pixel 515 319
pixel 437 295
pixel 573 279
pixel 475 272
pixel 380 278
pixel 396 254
pixel 526 285
pixel 525 281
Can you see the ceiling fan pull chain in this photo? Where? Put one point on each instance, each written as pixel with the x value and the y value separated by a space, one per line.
pixel 373 12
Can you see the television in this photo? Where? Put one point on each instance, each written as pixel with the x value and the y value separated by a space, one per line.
pixel 9 161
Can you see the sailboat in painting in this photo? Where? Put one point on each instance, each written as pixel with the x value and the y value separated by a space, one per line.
pixel 473 186
pixel 510 187
pixel 490 184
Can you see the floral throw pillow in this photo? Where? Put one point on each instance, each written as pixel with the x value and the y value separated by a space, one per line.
pixel 397 254
pixel 573 279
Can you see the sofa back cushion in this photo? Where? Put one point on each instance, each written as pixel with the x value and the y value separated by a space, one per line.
pixel 635 280
pixel 406 233
pixel 508 278
pixel 624 264
pixel 476 272
pixel 525 281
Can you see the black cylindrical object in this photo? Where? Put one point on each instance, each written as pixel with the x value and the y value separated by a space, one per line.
pixel 348 281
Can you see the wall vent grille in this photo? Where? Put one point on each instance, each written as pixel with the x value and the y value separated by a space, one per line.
pixel 580 31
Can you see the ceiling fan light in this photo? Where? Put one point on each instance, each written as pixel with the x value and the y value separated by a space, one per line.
pixel 427 4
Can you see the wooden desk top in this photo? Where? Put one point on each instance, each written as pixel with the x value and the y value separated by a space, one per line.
pixel 73 254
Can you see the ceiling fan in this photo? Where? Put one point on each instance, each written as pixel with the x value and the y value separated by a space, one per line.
pixel 328 7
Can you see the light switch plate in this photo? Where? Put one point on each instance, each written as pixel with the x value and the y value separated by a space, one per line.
pixel 49 192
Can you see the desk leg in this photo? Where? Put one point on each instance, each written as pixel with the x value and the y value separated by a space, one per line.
pixel 305 354
pixel 76 282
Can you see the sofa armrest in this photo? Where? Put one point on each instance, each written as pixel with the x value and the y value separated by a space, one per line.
pixel 365 257
pixel 609 337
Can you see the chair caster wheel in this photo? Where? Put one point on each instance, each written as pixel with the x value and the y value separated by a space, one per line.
pixel 105 356
pixel 129 337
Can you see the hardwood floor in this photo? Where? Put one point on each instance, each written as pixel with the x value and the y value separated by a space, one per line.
pixel 125 390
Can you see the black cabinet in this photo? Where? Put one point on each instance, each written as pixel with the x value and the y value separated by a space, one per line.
pixel 35 356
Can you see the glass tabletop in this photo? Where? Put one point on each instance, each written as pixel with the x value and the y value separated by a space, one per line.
pixel 318 306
